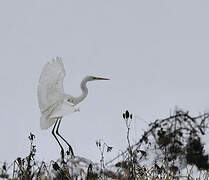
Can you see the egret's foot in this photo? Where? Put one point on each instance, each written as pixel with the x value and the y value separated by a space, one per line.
pixel 70 152
pixel 62 154
pixel 63 162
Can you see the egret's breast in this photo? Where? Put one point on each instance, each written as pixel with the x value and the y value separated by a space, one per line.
pixel 65 109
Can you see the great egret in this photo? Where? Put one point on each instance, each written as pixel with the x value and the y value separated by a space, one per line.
pixel 53 102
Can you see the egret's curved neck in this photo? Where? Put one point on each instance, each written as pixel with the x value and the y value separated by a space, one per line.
pixel 84 92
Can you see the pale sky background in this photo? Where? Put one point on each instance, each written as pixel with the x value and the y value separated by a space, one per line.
pixel 155 53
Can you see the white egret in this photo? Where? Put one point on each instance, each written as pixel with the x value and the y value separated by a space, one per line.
pixel 53 102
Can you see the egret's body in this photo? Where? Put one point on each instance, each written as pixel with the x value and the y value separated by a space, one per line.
pixel 54 103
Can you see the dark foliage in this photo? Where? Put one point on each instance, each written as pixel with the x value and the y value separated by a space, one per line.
pixel 176 140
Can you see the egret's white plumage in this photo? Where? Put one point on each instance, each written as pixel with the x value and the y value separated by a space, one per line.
pixel 51 96
pixel 53 101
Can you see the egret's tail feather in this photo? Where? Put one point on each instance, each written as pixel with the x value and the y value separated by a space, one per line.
pixel 45 123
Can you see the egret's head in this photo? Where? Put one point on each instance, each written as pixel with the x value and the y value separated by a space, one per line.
pixel 93 78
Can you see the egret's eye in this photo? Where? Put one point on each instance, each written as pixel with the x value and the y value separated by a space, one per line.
pixel 69 100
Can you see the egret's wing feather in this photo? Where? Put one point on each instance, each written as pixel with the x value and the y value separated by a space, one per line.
pixel 50 115
pixel 50 88
pixel 46 121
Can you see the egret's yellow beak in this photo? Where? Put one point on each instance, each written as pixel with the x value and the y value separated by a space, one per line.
pixel 99 78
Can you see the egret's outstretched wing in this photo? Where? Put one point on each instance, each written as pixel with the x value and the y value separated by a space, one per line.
pixel 50 88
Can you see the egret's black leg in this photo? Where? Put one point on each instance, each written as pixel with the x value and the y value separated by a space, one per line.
pixel 57 132
pixel 62 150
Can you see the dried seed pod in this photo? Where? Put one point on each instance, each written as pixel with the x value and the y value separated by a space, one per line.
pixel 127 114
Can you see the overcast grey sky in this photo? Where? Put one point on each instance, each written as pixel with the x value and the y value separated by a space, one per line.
pixel 155 53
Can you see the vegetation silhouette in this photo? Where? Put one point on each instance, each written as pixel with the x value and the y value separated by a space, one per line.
pixel 167 148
